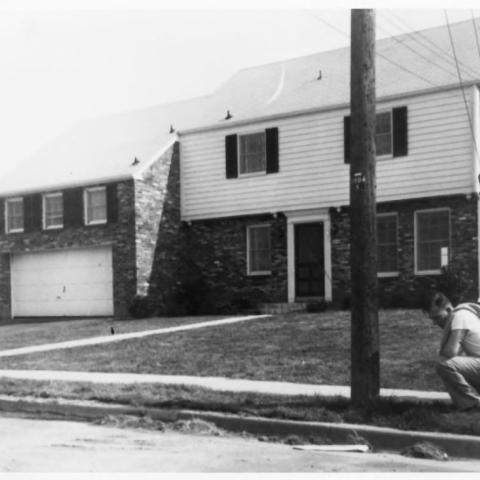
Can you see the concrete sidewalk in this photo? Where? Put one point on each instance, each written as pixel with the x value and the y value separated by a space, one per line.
pixel 217 383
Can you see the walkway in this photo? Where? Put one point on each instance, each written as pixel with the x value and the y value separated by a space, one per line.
pixel 216 383
pixel 125 336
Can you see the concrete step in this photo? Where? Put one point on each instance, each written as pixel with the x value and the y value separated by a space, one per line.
pixel 280 308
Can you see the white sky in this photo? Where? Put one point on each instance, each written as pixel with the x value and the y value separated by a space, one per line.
pixel 62 61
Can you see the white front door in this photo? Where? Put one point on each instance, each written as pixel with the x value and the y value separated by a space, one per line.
pixel 76 282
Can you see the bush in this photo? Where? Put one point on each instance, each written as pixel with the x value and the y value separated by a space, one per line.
pixel 454 285
pixel 317 306
pixel 141 306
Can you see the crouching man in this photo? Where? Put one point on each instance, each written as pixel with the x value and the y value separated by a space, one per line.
pixel 459 362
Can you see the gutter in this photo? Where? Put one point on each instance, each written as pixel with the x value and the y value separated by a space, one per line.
pixel 314 110
pixel 476 168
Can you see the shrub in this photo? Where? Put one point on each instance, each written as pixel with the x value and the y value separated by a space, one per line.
pixel 317 306
pixel 141 306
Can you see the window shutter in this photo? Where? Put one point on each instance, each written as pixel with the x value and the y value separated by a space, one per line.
pixel 32 213
pixel 271 136
pixel 2 216
pixel 346 139
pixel 231 156
pixel 400 132
pixel 112 203
pixel 73 207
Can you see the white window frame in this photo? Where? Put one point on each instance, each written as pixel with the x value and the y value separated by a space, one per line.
pixel 394 273
pixel 258 272
pixel 445 209
pixel 7 202
pixel 239 153
pixel 44 210
pixel 390 154
pixel 86 191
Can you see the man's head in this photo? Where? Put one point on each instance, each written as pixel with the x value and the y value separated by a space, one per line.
pixel 440 309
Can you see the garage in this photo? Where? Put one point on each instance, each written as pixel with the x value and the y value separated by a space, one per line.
pixel 71 283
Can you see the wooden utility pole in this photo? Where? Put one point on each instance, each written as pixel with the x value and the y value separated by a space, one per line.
pixel 365 361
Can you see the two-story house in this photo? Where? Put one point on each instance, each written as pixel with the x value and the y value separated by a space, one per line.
pixel 253 187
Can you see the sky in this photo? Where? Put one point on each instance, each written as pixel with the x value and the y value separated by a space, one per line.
pixel 62 61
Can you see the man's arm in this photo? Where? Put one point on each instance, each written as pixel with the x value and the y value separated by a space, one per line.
pixel 452 347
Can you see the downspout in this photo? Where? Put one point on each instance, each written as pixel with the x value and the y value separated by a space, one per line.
pixel 476 170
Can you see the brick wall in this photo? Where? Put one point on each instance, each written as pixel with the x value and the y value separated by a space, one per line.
pixel 463 251
pixel 218 248
pixel 120 235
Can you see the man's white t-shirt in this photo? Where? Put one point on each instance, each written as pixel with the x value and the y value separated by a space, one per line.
pixel 465 320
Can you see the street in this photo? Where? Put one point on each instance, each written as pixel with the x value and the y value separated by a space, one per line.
pixel 29 445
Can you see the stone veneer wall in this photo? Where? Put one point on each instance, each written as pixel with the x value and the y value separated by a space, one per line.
pixel 218 247
pixel 159 231
pixel 463 254
pixel 120 235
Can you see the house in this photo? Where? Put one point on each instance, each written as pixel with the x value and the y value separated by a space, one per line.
pixel 252 188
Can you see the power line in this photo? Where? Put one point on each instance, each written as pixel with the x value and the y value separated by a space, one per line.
pixel 460 81
pixel 377 53
pixel 416 52
pixel 476 33
pixel 421 39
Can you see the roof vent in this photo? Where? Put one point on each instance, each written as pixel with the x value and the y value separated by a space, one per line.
pixel 136 161
pixel 319 75
pixel 172 129
pixel 229 115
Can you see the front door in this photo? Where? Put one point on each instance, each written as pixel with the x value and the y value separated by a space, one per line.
pixel 309 260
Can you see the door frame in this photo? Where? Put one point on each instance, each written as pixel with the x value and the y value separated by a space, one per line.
pixel 309 216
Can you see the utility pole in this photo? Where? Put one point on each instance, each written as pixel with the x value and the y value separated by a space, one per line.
pixel 365 360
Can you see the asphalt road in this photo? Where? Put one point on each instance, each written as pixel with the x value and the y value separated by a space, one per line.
pixel 60 446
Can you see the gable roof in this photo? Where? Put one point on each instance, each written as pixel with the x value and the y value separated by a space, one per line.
pixel 102 149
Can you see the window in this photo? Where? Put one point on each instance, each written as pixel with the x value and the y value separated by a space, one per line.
pixel 52 211
pixel 95 202
pixel 383 133
pixel 258 250
pixel 14 215
pixel 387 243
pixel 432 240
pixel 252 153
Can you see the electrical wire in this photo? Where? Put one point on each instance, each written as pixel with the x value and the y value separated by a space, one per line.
pixel 421 39
pixel 452 43
pixel 476 33
pixel 384 57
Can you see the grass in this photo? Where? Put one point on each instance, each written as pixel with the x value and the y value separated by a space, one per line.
pixel 386 413
pixel 302 348
pixel 38 332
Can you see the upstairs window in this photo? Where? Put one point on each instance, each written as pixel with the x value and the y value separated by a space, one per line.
pixel 387 243
pixel 252 153
pixel 432 240
pixel 95 205
pixel 258 250
pixel 52 210
pixel 14 215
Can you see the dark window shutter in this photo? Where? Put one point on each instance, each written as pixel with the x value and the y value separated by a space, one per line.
pixel 32 213
pixel 400 131
pixel 2 216
pixel 112 203
pixel 231 156
pixel 346 139
pixel 73 207
pixel 271 137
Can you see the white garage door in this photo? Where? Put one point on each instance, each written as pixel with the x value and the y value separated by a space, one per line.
pixel 62 283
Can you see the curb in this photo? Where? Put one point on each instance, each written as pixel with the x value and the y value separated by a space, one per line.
pixel 381 438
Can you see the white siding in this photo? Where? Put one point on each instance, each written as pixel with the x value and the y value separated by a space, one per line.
pixel 312 171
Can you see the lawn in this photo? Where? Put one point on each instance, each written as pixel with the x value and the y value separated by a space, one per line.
pixel 39 332
pixel 303 348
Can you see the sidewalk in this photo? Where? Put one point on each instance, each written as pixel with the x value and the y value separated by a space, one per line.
pixel 217 383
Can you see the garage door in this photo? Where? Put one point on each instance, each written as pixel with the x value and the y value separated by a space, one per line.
pixel 62 283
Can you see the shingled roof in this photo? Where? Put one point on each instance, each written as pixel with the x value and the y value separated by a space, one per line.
pixel 103 149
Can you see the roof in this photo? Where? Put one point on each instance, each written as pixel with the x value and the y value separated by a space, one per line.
pixel 104 148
